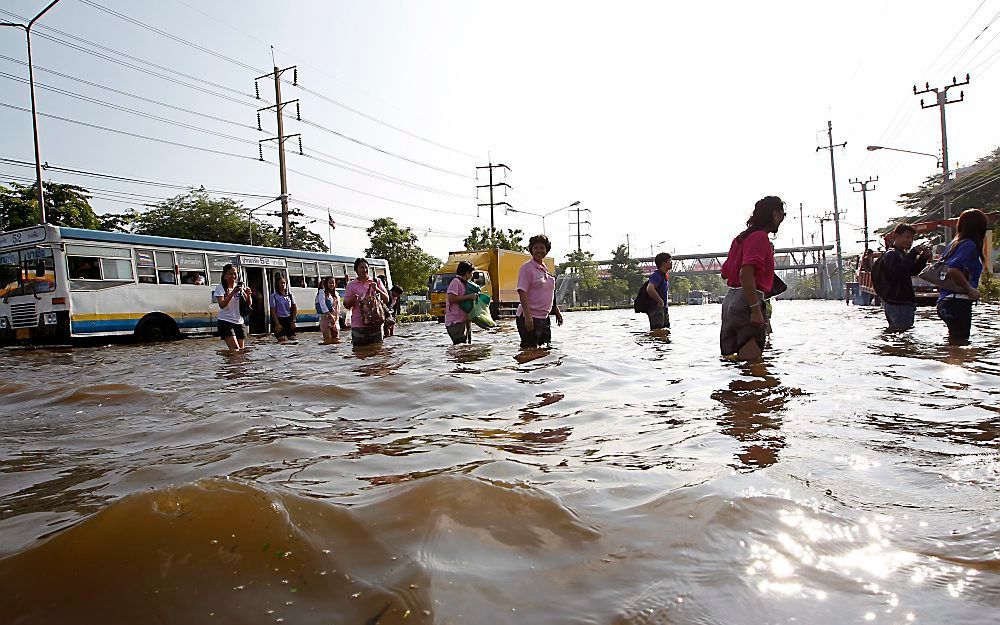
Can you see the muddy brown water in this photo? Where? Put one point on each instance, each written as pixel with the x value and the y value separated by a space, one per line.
pixel 620 478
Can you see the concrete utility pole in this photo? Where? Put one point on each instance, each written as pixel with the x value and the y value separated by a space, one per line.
pixel 278 107
pixel 942 100
pixel 836 208
pixel 490 167
pixel 34 114
pixel 822 241
pixel 864 200
pixel 579 220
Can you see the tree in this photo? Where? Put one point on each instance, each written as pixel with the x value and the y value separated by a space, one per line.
pixel 65 205
pixel 410 265
pixel 806 287
pixel 196 215
pixel 480 239
pixel 615 290
pixel 584 267
pixel 679 288
pixel 625 269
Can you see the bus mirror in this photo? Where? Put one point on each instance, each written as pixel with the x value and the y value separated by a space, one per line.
pixel 480 279
pixel 40 268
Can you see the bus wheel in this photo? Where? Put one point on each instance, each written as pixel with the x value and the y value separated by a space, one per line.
pixel 156 328
pixel 494 310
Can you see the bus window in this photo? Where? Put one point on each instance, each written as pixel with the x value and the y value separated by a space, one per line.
pixel 84 267
pixel 145 267
pixel 116 269
pixel 295 277
pixel 326 270
pixel 165 268
pixel 9 274
pixel 339 270
pixel 311 277
pixel 192 268
pixel 215 265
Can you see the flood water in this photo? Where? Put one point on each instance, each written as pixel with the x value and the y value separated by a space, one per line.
pixel 620 478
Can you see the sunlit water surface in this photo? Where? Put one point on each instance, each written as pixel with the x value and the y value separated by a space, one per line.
pixel 620 478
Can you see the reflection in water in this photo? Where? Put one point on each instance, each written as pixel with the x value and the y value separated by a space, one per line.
pixel 465 354
pixel 752 415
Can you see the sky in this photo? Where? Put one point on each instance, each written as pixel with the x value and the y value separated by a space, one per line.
pixel 666 120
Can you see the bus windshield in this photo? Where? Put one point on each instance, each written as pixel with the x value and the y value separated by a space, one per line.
pixel 440 282
pixel 27 271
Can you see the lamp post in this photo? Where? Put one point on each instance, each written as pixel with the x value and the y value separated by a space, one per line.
pixel 944 181
pixel 34 113
pixel 543 216
pixel 251 211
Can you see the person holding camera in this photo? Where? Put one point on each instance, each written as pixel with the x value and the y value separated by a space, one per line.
pixel 892 277
pixel 228 295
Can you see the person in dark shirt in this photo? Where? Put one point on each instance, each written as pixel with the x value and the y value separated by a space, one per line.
pixel 897 266
pixel 658 288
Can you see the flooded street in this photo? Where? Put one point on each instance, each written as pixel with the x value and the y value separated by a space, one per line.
pixel 620 478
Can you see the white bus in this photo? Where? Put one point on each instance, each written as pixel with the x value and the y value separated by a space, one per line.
pixel 60 284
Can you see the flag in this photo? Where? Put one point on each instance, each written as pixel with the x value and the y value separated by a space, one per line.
pixel 333 224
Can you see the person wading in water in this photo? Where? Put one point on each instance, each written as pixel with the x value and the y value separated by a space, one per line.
pixel 749 272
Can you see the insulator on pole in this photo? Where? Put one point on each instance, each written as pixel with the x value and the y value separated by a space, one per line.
pixel 258 122
pixel 256 89
pixel 298 111
pixel 295 76
pixel 300 147
pixel 260 150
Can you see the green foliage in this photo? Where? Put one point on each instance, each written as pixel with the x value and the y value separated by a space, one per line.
pixel 680 287
pixel 989 287
pixel 65 205
pixel 481 239
pixel 806 287
pixel 713 283
pixel 196 215
pixel 615 290
pixel 583 265
pixel 625 269
pixel 410 265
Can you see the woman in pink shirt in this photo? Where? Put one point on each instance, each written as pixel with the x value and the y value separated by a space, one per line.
pixel 536 288
pixel 357 290
pixel 749 272
pixel 456 320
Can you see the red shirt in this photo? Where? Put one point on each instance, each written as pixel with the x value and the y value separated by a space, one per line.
pixel 755 250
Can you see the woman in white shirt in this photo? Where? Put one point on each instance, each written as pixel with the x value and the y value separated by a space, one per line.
pixel 227 295
pixel 328 309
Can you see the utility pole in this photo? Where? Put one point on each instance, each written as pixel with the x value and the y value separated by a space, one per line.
pixel 278 107
pixel 823 279
pixel 490 167
pixel 836 207
pixel 579 220
pixel 864 200
pixel 942 99
pixel 34 113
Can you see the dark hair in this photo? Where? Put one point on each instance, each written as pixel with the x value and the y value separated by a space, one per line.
pixel 397 289
pixel 972 225
pixel 763 215
pixel 225 270
pixel 903 229
pixel 323 282
pixel 464 267
pixel 358 261
pixel 540 238
pixel 661 258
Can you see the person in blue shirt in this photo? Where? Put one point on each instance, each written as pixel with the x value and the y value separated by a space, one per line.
pixel 658 287
pixel 964 257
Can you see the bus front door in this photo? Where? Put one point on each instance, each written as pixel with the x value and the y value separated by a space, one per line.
pixel 258 316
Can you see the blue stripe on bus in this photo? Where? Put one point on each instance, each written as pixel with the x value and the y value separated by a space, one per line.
pixel 124 324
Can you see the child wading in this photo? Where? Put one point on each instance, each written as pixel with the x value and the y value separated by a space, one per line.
pixel 749 272
pixel 892 273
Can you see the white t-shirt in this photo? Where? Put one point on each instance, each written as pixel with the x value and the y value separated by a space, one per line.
pixel 230 313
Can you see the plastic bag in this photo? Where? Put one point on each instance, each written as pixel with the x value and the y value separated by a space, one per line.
pixel 470 287
pixel 480 313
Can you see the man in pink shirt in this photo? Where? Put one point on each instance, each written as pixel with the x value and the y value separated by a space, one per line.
pixel 749 272
pixel 536 289
pixel 456 320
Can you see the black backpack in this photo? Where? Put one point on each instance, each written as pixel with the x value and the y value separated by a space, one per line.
pixel 642 299
pixel 878 278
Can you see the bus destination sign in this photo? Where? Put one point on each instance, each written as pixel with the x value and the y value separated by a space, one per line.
pixel 261 261
pixel 23 237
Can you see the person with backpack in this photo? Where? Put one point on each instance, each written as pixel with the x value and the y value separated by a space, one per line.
pixel 657 288
pixel 964 258
pixel 283 310
pixel 892 273
pixel 367 299
pixel 749 272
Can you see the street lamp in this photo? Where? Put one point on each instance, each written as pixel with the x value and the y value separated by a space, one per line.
pixel 34 114
pixel 872 148
pixel 944 182
pixel 543 216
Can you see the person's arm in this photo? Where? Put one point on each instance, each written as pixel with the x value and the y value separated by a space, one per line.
pixel 529 323
pixel 224 300
pixel 655 294
pixel 468 297
pixel 274 314
pixel 350 297
pixel 748 282
pixel 558 313
pixel 958 276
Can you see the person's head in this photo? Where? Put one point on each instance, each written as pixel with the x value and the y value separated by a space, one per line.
pixel 972 225
pixel 328 284
pixel 539 245
pixel 902 236
pixel 229 274
pixel 464 270
pixel 662 262
pixel 396 290
pixel 768 213
pixel 361 268
pixel 279 284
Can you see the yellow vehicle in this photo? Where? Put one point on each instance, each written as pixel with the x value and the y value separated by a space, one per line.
pixel 495 272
